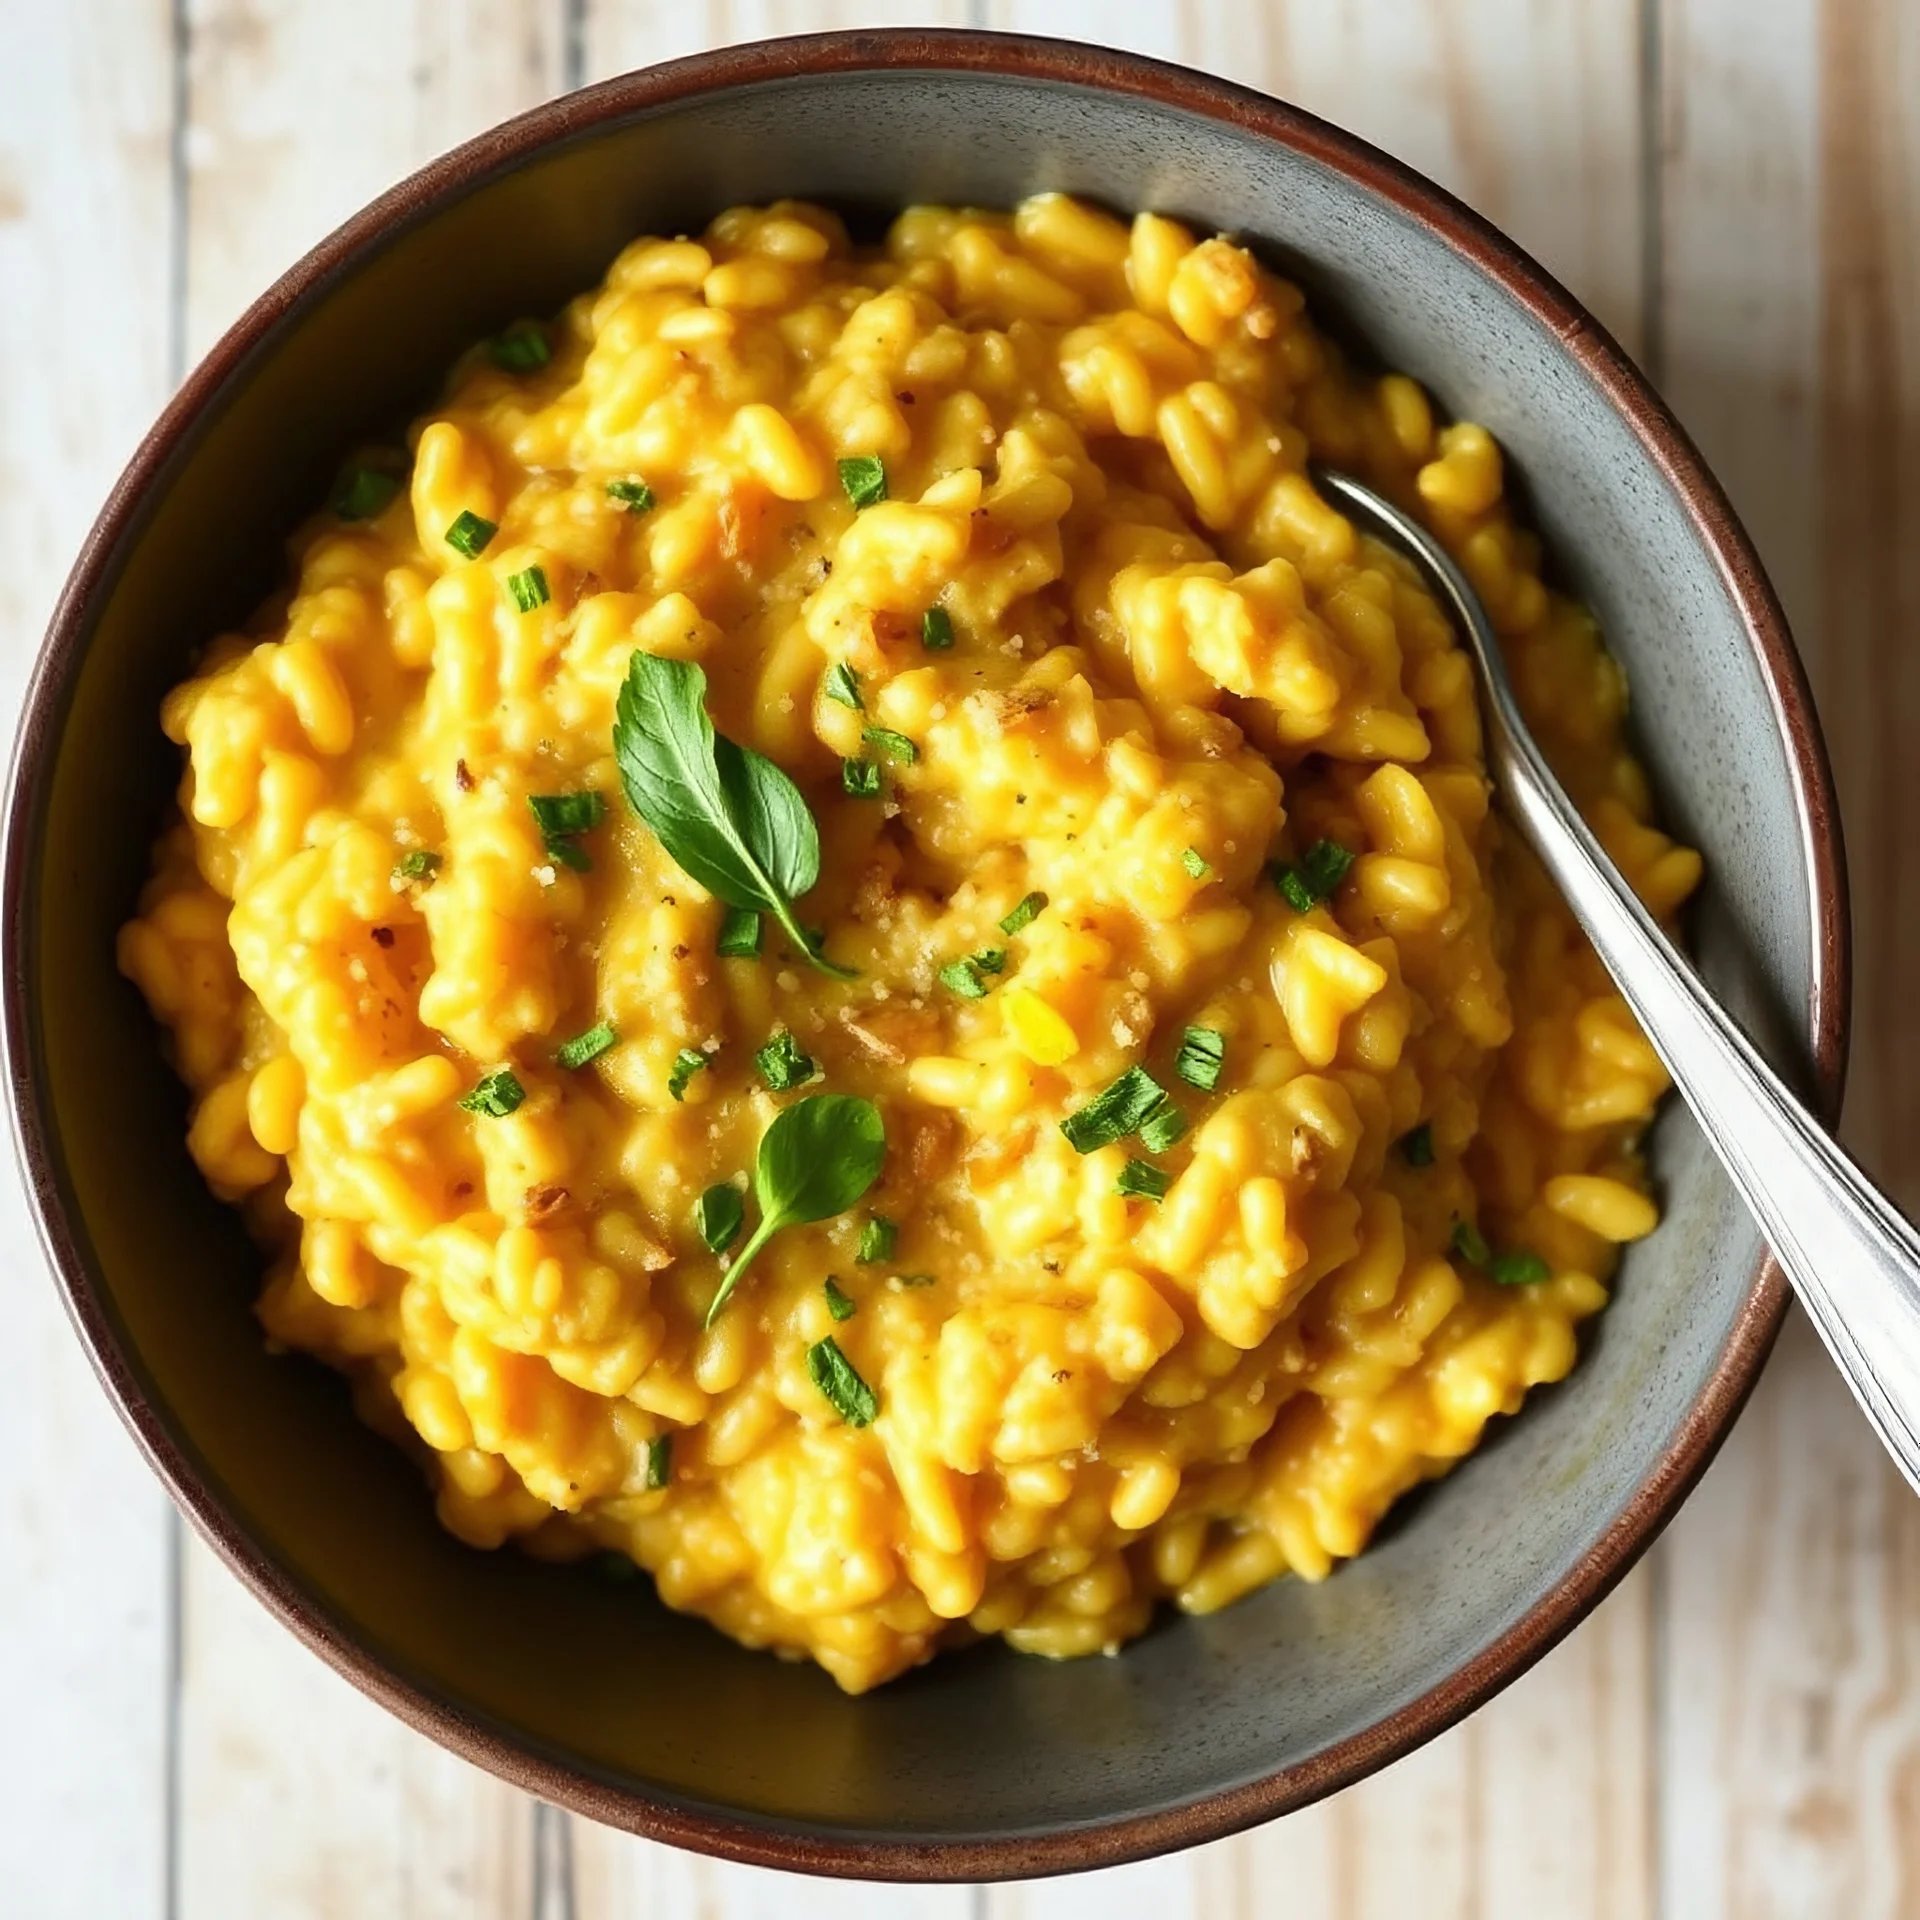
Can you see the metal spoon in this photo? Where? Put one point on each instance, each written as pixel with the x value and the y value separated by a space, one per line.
pixel 1854 1262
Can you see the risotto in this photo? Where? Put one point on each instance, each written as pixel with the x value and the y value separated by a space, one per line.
pixel 843 943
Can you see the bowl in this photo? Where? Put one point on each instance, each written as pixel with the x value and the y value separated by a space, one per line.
pixel 983 1764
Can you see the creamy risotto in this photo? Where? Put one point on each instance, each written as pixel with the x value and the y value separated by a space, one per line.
pixel 842 942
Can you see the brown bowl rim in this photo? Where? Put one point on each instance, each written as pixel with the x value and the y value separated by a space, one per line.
pixel 1069 63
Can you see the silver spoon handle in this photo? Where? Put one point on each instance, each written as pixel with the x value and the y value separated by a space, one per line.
pixel 1852 1259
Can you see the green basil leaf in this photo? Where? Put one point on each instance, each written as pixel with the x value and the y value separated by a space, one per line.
pixel 817 1159
pixel 725 814
pixel 839 1304
pixel 659 1463
pixel 1114 1113
pixel 718 1216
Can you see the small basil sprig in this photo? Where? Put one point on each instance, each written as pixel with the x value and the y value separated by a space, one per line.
pixel 725 814
pixel 817 1159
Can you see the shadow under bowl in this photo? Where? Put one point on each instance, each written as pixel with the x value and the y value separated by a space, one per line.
pixel 985 1764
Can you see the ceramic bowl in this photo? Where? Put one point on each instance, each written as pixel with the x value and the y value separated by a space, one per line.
pixel 982 1764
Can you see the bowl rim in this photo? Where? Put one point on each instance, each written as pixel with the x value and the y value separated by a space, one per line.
pixel 774 1842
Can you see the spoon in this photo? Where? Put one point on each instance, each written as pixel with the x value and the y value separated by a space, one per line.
pixel 1854 1262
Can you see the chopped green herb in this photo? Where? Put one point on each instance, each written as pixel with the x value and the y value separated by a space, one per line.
pixel 841 683
pixel 991 959
pixel 832 1372
pixel 523 348
pixel 1315 876
pixel 1416 1148
pixel 783 1064
pixel 1203 1052
pixel 494 1094
pixel 936 629
pixel 1114 1114
pixel 1521 1269
pixel 686 1063
pixel 725 814
pixel 363 493
pixel 963 977
pixel 419 865
pixel 860 778
pixel 895 746
pixel 1142 1180
pixel 575 1053
pixel 739 935
pixel 659 1463
pixel 1162 1127
pixel 817 1159
pixel 864 479
pixel 469 535
pixel 838 1304
pixel 529 588
pixel 1024 914
pixel 561 818
pixel 1467 1244
pixel 635 495
pixel 1195 863
pixel 718 1216
pixel 877 1240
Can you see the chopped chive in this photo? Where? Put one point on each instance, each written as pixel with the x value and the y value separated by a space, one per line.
pixel 1024 914
pixel 1521 1269
pixel 1142 1180
pixel 686 1063
pixel 864 478
pixel 833 1373
pixel 1114 1114
pixel 936 629
pixel 1162 1127
pixel 364 492
pixel 635 495
pixel 523 348
pixel 494 1094
pixel 1416 1148
pixel 783 1063
pixel 877 1240
pixel 418 864
pixel 718 1216
pixel 529 588
pixel 1314 876
pixel 559 814
pixel 1203 1052
pixel 991 959
pixel 575 1053
pixel 838 1304
pixel 1467 1244
pixel 841 683
pixel 963 977
pixel 561 817
pixel 739 935
pixel 1195 863
pixel 895 746
pixel 469 534
pixel 659 1463
pixel 860 778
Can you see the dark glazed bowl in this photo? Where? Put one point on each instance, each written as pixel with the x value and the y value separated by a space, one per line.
pixel 983 1764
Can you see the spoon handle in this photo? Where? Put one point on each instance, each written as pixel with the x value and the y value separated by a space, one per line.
pixel 1853 1260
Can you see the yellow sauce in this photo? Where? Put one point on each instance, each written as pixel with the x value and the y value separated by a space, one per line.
pixel 1173 665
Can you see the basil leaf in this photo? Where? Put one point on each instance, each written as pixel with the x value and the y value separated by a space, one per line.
pixel 659 1463
pixel 1203 1052
pixel 1142 1180
pixel 1467 1243
pixel 577 1052
pixel 1115 1113
pixel 718 1216
pixel 725 814
pixel 817 1159
pixel 840 1305
pixel 1025 912
pixel 1521 1269
pixel 877 1240
pixel 833 1373
pixel 494 1094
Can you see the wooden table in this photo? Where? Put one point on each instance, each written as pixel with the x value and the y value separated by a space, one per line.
pixel 1734 186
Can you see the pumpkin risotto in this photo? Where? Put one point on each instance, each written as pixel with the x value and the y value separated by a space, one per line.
pixel 843 942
